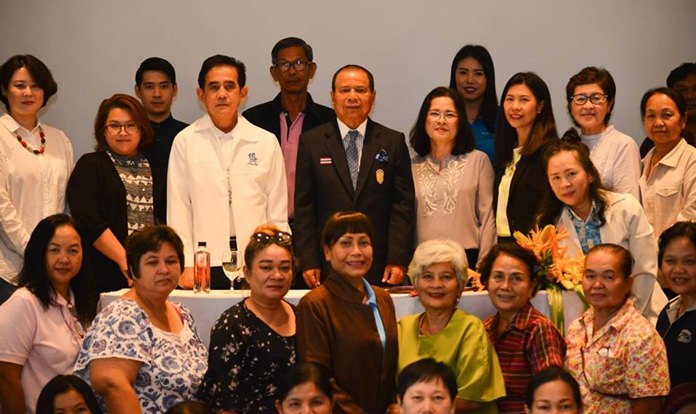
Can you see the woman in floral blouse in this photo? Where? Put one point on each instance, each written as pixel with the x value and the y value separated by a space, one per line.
pixel 253 343
pixel 614 353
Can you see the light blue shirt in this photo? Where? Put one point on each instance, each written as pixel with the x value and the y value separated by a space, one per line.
pixel 343 130
pixel 372 301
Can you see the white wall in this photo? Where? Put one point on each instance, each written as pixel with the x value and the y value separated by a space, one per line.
pixel 93 47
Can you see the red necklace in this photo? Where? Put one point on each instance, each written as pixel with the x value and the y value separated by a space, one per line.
pixel 29 148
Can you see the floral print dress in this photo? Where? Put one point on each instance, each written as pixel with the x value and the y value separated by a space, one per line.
pixel 247 358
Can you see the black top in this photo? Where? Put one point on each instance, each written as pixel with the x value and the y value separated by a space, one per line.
pixel 527 189
pixel 157 154
pixel 680 341
pixel 97 199
pixel 267 115
pixel 246 360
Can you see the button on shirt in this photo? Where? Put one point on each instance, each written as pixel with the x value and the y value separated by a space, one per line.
pixel 31 187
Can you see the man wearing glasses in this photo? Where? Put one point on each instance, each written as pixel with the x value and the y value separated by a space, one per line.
pixel 292 111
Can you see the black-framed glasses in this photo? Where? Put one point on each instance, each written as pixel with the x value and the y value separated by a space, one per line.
pixel 115 128
pixel 595 99
pixel 279 237
pixel 298 64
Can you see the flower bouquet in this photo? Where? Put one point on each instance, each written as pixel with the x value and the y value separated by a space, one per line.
pixel 557 271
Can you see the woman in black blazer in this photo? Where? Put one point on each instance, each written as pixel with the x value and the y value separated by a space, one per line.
pixel 525 126
pixel 113 192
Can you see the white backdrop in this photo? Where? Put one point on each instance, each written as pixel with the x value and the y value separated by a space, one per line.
pixel 93 47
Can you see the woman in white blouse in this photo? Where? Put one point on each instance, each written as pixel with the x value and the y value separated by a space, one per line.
pixel 35 162
pixel 591 94
pixel 453 181
pixel 668 183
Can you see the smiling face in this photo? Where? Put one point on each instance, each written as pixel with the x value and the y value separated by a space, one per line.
pixel 351 97
pixel 157 93
pixel 521 108
pixel 605 287
pixel 270 274
pixel 510 286
pixel 663 123
pixel 442 121
pixel 159 271
pixel 553 397
pixel 430 397
pixel 679 267
pixel 24 96
pixel 70 402
pixel 63 257
pixel 470 79
pixel 122 142
pixel 350 255
pixel 569 181
pixel 438 287
pixel 304 399
pixel 293 81
pixel 590 117
pixel 222 96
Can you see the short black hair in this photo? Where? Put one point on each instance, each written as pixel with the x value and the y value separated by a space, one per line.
pixel 291 42
pixel 304 372
pixel 511 249
pixel 36 68
pixel 426 370
pixel 370 78
pixel 588 76
pixel 551 374
pixel 344 222
pixel 150 239
pixel 155 64
pixel 686 229
pixel 60 384
pixel 675 96
pixel 679 73
pixel 189 407
pixel 222 60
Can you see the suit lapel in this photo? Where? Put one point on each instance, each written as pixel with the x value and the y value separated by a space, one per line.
pixel 371 145
pixel 334 145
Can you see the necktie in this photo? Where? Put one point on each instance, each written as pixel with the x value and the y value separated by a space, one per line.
pixel 352 156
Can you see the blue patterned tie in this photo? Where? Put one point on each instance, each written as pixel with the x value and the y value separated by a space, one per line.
pixel 352 156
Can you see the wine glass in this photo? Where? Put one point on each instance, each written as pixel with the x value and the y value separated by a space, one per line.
pixel 230 266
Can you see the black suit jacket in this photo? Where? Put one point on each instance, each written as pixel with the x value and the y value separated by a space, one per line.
pixel 267 115
pixel 526 192
pixel 384 193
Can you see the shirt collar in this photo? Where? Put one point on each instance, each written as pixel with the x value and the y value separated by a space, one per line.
pixel 12 125
pixel 672 309
pixel 617 322
pixel 371 298
pixel 343 128
pixel 591 218
pixel 341 288
pixel 672 158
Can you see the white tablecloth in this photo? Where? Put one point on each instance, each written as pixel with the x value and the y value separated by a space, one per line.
pixel 207 307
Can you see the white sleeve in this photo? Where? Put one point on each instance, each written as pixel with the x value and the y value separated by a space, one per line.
pixel 18 317
pixel 627 170
pixel 277 190
pixel 12 229
pixel 179 209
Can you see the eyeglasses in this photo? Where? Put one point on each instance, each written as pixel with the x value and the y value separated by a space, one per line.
pixel 448 116
pixel 299 65
pixel 280 238
pixel 595 99
pixel 115 128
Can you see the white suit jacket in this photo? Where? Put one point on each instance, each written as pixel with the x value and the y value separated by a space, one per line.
pixel 197 191
pixel 628 226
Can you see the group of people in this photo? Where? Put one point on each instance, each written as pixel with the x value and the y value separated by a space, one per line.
pixel 344 205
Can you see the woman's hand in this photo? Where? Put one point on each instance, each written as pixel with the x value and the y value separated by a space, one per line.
pixel 113 379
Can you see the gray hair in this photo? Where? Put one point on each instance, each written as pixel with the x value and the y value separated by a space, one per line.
pixel 439 251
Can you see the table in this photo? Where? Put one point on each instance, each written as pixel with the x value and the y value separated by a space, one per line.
pixel 207 307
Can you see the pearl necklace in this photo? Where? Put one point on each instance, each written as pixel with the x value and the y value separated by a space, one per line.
pixel 29 148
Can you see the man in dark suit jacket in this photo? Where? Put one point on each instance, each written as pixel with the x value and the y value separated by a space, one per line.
pixel 383 188
pixel 292 111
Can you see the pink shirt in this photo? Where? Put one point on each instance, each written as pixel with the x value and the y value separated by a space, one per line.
pixel 626 359
pixel 289 144
pixel 41 340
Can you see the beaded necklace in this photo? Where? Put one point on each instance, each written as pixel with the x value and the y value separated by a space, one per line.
pixel 29 148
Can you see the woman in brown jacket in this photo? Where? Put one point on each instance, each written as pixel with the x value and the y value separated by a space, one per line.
pixel 349 326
